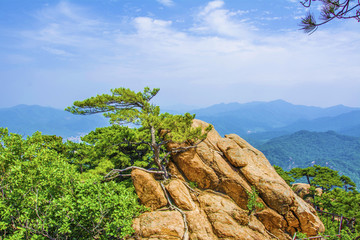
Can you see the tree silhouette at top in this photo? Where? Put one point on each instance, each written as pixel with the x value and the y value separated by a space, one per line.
pixel 330 10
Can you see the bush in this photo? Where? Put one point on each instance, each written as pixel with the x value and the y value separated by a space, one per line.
pixel 44 197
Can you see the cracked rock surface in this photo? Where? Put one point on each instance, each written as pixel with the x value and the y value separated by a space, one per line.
pixel 224 169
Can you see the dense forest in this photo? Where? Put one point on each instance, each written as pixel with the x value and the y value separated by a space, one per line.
pixel 304 148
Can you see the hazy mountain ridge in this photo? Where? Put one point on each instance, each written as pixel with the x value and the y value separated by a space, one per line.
pixel 26 119
pixel 305 148
pixel 257 118
pixel 342 123
pixel 256 122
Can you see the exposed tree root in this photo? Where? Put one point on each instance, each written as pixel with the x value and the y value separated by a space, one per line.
pixel 173 207
pixel 117 172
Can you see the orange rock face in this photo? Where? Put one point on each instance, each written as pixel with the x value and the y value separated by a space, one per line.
pixel 160 225
pixel 148 189
pixel 225 170
pixel 181 195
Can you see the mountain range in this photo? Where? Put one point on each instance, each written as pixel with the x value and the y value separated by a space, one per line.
pixel 261 121
pixel 257 122
pixel 25 120
pixel 289 135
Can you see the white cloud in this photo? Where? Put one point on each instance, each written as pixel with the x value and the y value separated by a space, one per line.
pixel 68 30
pixel 215 19
pixel 211 6
pixel 149 25
pixel 167 3
pixel 68 14
pixel 220 58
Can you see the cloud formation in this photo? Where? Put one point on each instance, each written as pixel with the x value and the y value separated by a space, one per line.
pixel 215 19
pixel 167 3
pixel 220 57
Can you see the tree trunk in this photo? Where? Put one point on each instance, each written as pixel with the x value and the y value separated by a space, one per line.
pixel 156 150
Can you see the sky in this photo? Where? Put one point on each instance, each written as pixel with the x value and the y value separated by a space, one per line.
pixel 198 53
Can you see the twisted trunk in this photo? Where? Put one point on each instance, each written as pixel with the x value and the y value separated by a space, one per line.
pixel 156 150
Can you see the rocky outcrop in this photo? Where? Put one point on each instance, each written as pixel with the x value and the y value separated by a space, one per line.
pixel 226 170
pixel 303 191
pixel 148 189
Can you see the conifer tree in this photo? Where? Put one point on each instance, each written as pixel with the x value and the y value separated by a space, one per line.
pixel 319 176
pixel 156 129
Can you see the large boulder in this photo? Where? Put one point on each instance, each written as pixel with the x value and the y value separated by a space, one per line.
pixel 148 189
pixel 160 225
pixel 226 171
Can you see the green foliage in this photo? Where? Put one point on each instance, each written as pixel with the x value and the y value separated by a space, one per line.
pixel 341 202
pixel 55 190
pixel 125 106
pixel 109 147
pixel 285 175
pixel 253 203
pixel 43 196
pixel 332 229
pixel 348 183
pixel 322 177
pixel 300 235
pixel 339 197
pixel 304 148
pixel 193 184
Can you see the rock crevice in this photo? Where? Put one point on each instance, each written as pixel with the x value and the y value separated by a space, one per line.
pixel 225 170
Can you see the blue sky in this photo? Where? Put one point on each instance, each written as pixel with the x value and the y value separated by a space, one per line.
pixel 198 53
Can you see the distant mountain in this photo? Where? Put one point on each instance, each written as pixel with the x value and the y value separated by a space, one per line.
pixel 252 120
pixel 26 120
pixel 348 123
pixel 304 148
pixel 277 129
pixel 178 109
pixel 257 122
pixel 288 112
pixel 269 126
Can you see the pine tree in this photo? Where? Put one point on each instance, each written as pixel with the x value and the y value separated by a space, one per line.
pixel 155 129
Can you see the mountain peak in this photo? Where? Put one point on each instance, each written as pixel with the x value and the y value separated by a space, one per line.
pixel 280 101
